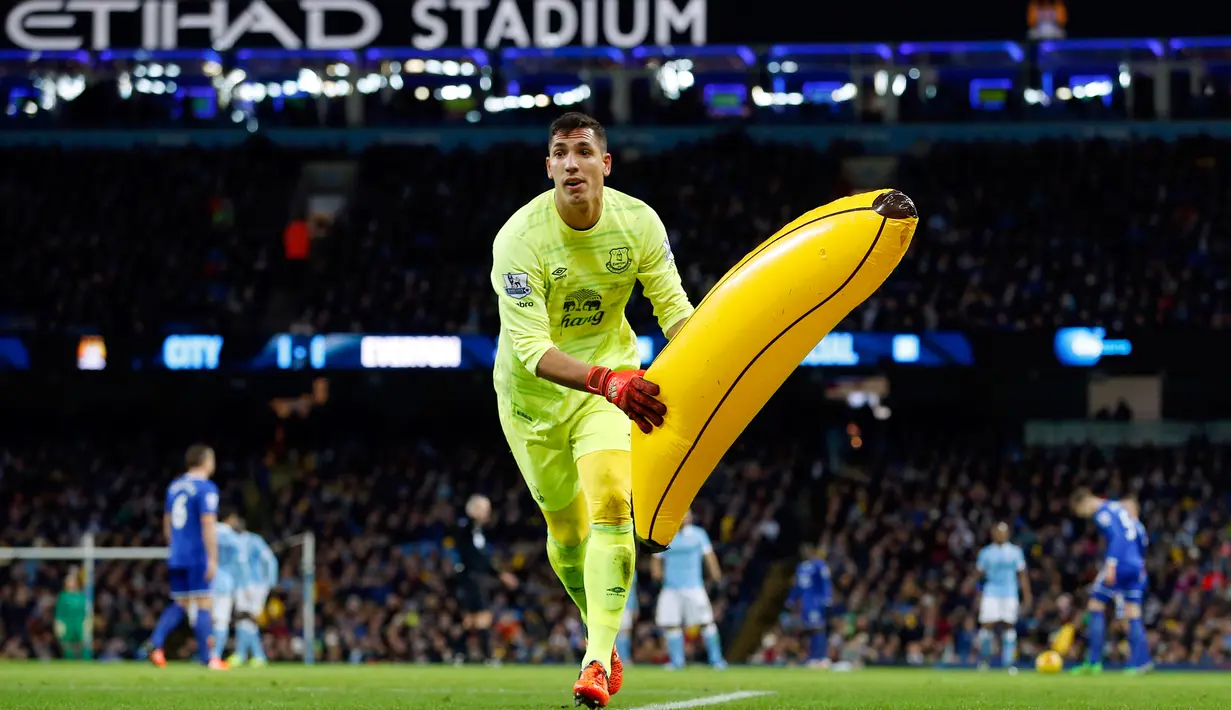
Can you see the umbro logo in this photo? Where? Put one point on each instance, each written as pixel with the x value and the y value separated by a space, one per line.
pixel 560 272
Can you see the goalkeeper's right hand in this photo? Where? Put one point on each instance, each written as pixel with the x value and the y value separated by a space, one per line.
pixel 631 392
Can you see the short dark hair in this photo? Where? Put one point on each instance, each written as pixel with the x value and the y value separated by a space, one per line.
pixel 1079 495
pixel 576 121
pixel 197 454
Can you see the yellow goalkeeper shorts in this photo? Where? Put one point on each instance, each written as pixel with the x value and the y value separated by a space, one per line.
pixel 546 452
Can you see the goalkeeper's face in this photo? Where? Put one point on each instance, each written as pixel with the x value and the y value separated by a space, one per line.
pixel 578 162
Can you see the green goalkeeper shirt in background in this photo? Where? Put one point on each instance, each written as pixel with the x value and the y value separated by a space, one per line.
pixel 70 615
pixel 564 288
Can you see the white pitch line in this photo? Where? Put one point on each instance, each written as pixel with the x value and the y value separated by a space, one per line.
pixel 701 702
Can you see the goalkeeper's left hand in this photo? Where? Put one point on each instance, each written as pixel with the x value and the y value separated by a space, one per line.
pixel 631 392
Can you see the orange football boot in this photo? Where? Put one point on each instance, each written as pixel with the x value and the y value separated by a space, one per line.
pixel 217 664
pixel 591 687
pixel 616 679
pixel 158 658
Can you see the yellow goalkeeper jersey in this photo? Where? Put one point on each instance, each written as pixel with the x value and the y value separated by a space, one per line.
pixel 563 288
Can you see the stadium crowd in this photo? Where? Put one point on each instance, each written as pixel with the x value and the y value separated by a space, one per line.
pixel 153 237
pixel 899 520
pixel 1122 234
pixel 386 520
pixel 901 542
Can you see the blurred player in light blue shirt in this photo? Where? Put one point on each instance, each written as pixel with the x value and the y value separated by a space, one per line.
pixel 683 600
pixel 1123 575
pixel 250 601
pixel 624 640
pixel 1003 566
pixel 231 577
pixel 810 596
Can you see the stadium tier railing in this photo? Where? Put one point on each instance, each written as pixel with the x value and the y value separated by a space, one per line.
pixel 88 554
pixel 1077 432
pixel 878 138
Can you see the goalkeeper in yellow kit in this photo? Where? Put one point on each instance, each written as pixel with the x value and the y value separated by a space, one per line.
pixel 567 374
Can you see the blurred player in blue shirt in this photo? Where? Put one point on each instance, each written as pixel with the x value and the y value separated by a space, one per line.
pixel 810 597
pixel 624 640
pixel 250 600
pixel 1005 587
pixel 232 576
pixel 1141 654
pixel 683 601
pixel 189 523
pixel 1123 574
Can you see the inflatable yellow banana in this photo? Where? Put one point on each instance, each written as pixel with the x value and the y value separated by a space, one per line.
pixel 749 333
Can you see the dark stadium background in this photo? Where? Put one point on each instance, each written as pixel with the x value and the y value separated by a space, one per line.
pixel 133 214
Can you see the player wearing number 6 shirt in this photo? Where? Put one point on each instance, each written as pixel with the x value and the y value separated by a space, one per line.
pixel 189 522
pixel 567 374
pixel 1123 573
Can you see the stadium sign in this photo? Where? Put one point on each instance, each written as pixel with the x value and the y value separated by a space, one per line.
pixel 304 25
pixel 70 25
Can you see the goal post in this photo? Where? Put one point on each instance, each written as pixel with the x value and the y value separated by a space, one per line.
pixel 88 554
pixel 307 573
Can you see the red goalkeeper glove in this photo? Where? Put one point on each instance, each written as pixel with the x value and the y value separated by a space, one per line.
pixel 631 392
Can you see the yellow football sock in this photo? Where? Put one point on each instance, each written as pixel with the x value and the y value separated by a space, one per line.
pixel 569 564
pixel 568 536
pixel 609 573
pixel 606 482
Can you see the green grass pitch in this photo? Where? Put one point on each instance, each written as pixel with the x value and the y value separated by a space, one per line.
pixel 65 686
